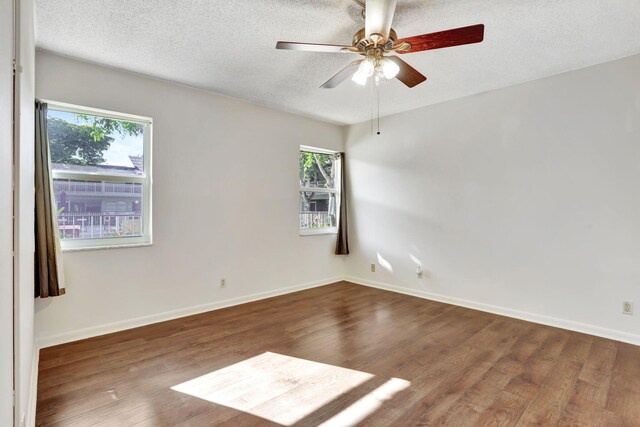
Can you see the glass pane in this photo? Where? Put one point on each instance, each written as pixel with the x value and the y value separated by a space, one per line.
pixel 98 209
pixel 317 170
pixel 93 144
pixel 317 210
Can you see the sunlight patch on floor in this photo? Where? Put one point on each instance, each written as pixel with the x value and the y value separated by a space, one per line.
pixel 367 404
pixel 286 389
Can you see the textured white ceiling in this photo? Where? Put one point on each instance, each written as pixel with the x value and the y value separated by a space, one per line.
pixel 229 46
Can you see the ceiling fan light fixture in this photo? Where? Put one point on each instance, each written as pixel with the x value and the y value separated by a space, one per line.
pixel 368 66
pixel 360 78
pixel 378 67
pixel 365 70
pixel 389 68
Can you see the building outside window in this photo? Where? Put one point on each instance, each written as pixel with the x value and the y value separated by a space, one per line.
pixel 319 191
pixel 101 167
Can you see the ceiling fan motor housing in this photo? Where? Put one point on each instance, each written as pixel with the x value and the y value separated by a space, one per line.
pixel 363 43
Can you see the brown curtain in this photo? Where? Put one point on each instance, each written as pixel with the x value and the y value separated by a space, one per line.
pixel 342 243
pixel 48 266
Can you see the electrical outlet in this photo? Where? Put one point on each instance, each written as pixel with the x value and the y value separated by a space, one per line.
pixel 223 283
pixel 627 307
pixel 373 268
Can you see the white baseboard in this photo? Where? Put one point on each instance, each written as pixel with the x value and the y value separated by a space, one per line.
pixel 51 340
pixel 30 420
pixel 503 311
pixel 65 337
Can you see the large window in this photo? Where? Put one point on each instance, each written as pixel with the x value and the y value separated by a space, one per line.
pixel 319 191
pixel 101 167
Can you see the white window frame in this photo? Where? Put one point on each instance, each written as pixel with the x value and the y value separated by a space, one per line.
pixel 336 191
pixel 146 181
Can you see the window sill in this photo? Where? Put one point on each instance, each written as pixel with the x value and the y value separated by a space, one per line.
pixel 94 248
pixel 315 232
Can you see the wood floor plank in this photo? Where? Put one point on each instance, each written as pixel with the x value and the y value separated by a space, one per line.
pixel 506 410
pixel 536 368
pixel 549 403
pixel 625 385
pixel 370 356
pixel 441 386
pixel 476 399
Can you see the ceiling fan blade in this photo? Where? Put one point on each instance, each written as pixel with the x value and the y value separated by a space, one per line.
pixel 379 16
pixel 342 75
pixel 439 40
pixel 407 74
pixel 314 47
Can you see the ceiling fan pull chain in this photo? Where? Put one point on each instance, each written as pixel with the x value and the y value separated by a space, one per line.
pixel 371 103
pixel 378 86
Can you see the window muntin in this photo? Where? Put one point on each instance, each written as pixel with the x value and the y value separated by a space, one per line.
pixel 319 191
pixel 101 169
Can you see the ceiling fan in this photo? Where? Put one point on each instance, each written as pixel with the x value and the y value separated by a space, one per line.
pixel 377 40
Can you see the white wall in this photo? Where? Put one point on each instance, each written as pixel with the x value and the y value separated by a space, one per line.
pixel 24 205
pixel 520 201
pixel 523 200
pixel 6 212
pixel 225 204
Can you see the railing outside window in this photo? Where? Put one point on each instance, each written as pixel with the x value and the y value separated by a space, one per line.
pixel 315 220
pixel 99 225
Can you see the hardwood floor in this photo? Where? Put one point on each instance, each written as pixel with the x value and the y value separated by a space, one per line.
pixel 341 354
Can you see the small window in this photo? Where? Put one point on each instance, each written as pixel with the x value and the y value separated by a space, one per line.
pixel 101 167
pixel 319 191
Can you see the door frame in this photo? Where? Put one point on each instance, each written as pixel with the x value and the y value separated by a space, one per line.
pixel 7 138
